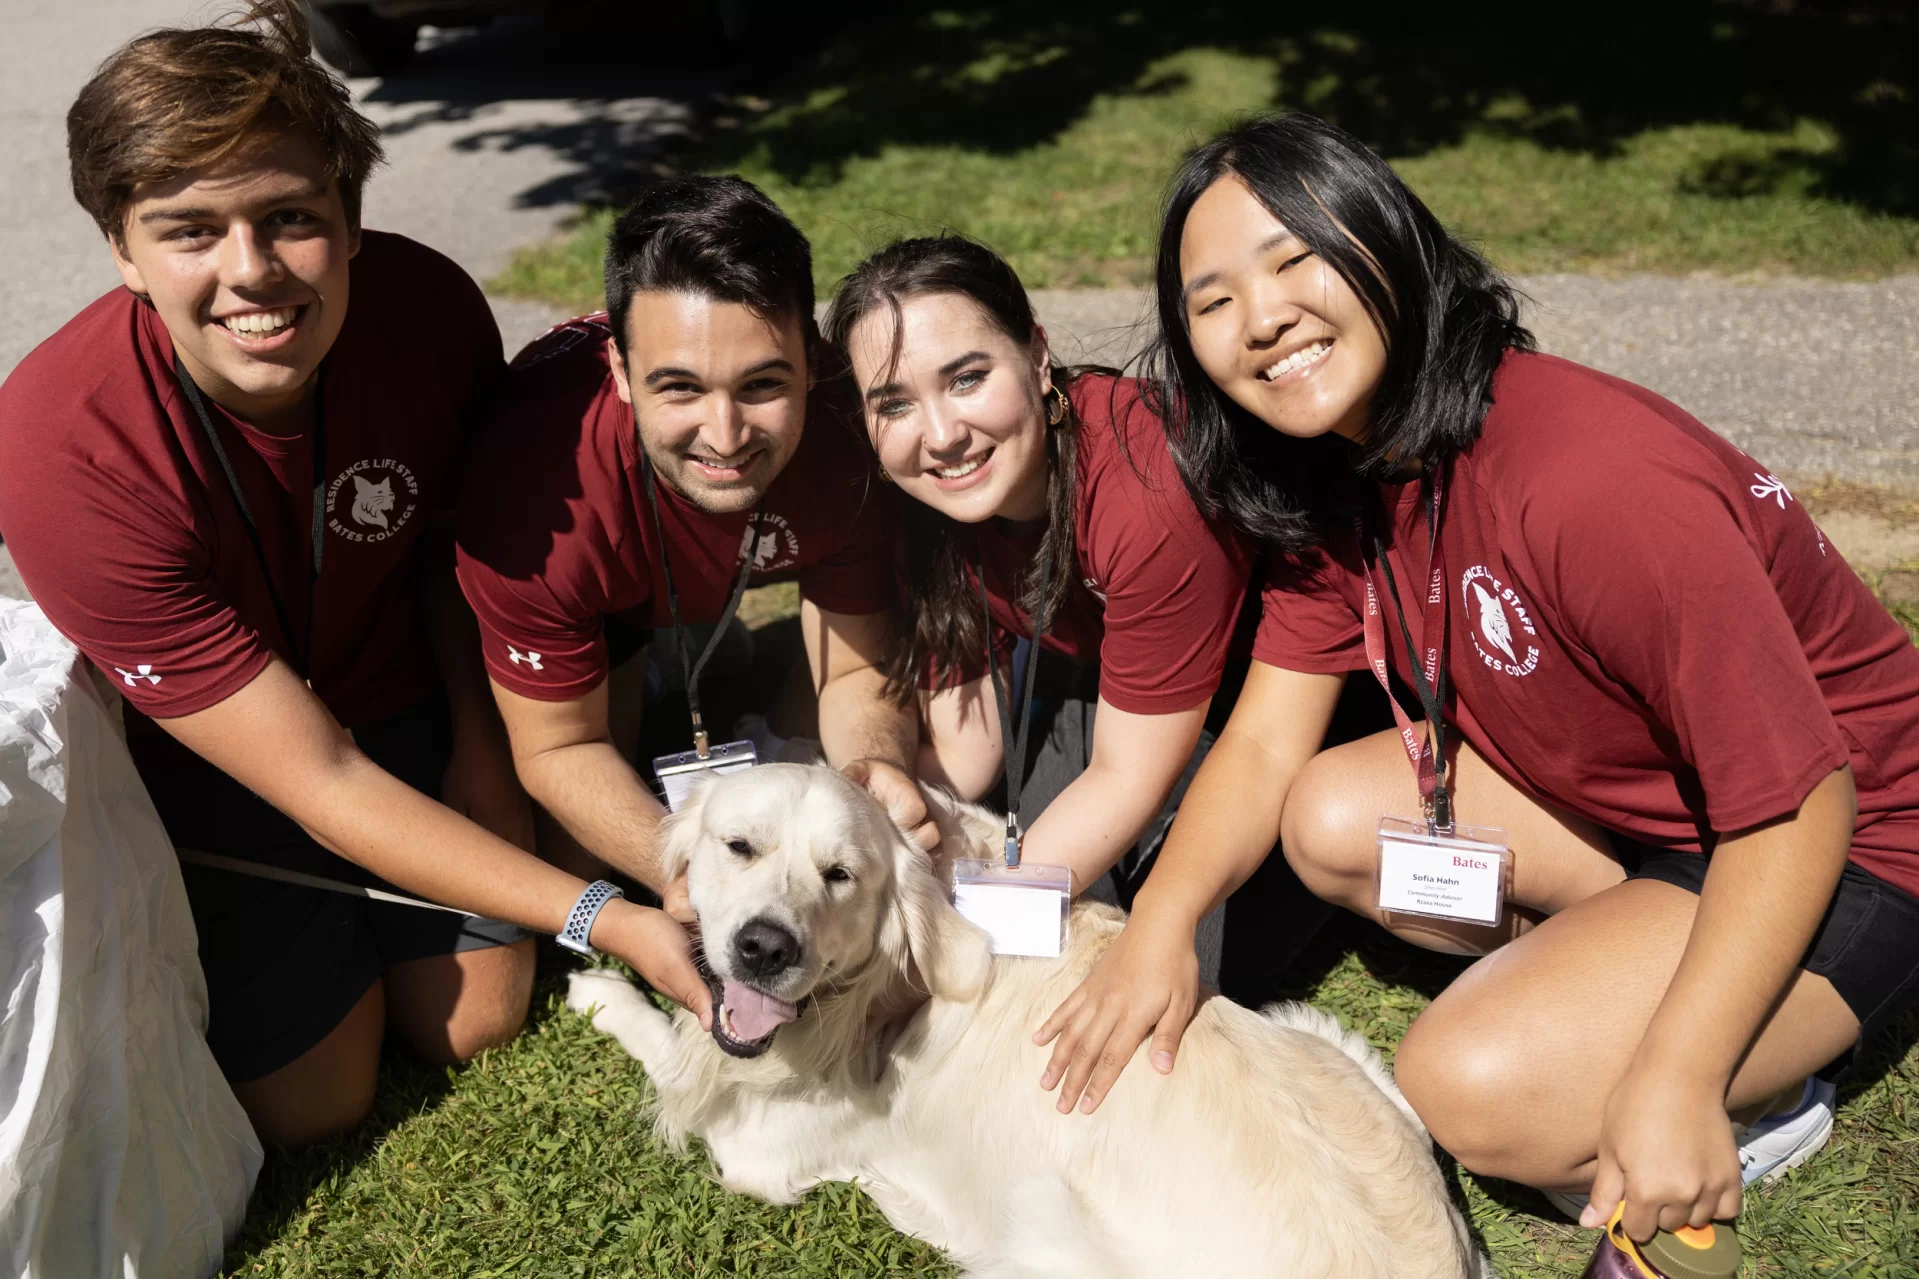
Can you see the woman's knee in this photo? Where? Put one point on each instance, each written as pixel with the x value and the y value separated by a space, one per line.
pixel 1462 1082
pixel 1329 834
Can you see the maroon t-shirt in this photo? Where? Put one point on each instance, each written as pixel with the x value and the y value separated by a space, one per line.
pixel 1645 627
pixel 127 534
pixel 555 533
pixel 1160 587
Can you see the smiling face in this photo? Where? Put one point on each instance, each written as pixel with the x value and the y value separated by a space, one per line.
pixel 1273 325
pixel 958 420
pixel 246 263
pixel 718 391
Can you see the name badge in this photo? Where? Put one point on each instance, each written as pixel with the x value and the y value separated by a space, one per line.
pixel 677 773
pixel 1022 908
pixel 1462 875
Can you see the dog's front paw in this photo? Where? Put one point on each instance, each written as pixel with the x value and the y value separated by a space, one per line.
pixel 595 990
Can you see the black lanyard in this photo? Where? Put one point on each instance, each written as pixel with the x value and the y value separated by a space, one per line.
pixel 1013 745
pixel 301 658
pixel 689 669
pixel 1428 675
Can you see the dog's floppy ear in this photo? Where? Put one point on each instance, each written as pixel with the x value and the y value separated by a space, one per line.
pixel 952 954
pixel 679 831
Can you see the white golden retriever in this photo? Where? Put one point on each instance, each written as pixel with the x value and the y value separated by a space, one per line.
pixel 1278 1145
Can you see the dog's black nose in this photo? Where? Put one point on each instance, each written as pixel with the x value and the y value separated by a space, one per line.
pixel 764 948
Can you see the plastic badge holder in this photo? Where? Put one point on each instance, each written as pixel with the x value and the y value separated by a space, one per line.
pixel 1460 875
pixel 677 773
pixel 1022 908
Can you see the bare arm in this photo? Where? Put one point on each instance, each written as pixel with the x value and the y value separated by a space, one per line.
pixel 1148 982
pixel 961 750
pixel 565 755
pixel 847 654
pixel 1135 762
pixel 276 738
pixel 874 739
pixel 1665 1146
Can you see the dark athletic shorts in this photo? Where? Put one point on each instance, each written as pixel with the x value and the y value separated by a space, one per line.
pixel 1867 946
pixel 285 963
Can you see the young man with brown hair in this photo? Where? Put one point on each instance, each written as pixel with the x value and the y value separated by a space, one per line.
pixel 222 484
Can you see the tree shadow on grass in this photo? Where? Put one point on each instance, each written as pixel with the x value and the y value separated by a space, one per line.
pixel 1404 75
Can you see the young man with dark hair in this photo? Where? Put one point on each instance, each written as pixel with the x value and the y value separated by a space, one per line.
pixel 222 483
pixel 647 463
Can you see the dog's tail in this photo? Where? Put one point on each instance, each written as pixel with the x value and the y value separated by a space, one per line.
pixel 1313 1021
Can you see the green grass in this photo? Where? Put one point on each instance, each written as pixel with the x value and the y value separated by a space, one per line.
pixel 1050 137
pixel 536 1160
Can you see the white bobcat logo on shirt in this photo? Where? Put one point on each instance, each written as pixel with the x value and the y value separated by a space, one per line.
pixel 370 510
pixel 778 547
pixel 371 502
pixel 1501 628
pixel 1492 622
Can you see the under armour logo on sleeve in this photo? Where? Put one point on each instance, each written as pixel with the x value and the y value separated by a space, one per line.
pixel 1771 486
pixel 144 671
pixel 515 656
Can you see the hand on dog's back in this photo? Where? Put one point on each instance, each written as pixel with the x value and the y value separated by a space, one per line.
pixel 1147 983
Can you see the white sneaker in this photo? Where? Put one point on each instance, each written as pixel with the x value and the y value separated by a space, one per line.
pixel 1785 1140
pixel 1766 1149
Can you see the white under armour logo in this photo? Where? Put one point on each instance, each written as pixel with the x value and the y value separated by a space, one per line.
pixel 515 656
pixel 144 671
pixel 1771 486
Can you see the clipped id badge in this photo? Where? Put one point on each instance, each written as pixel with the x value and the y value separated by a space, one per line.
pixel 678 772
pixel 1460 874
pixel 1022 907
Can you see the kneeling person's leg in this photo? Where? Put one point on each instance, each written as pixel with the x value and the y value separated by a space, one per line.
pixel 1512 1066
pixel 295 1008
pixel 455 985
pixel 1330 834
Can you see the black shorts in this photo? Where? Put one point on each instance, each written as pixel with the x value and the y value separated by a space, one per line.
pixel 1867 945
pixel 285 963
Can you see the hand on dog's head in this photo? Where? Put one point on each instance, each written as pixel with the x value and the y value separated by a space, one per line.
pixel 805 888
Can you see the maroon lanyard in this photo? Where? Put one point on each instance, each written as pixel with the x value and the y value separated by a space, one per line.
pixel 1429 673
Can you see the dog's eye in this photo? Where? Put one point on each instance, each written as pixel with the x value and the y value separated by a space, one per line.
pixel 838 875
pixel 739 847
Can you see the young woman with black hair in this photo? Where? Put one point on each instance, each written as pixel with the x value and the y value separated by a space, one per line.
pixel 1640 661
pixel 1057 484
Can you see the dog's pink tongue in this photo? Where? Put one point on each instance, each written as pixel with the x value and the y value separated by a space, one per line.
pixel 753 1014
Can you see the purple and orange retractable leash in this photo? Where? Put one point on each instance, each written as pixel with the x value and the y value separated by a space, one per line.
pixel 1708 1252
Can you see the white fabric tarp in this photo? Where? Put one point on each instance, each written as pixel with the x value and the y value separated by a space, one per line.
pixel 122 1150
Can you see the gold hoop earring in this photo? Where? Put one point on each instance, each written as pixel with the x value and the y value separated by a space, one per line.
pixel 1055 406
pixel 886 476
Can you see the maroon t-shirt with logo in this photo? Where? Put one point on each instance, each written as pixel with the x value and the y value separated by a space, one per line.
pixel 1160 587
pixel 555 533
pixel 126 532
pixel 1644 625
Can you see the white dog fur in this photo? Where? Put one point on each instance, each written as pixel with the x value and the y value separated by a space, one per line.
pixel 1277 1146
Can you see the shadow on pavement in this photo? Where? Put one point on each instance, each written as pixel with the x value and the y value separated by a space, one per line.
pixel 608 93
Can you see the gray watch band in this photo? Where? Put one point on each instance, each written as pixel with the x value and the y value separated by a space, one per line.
pixel 579 921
